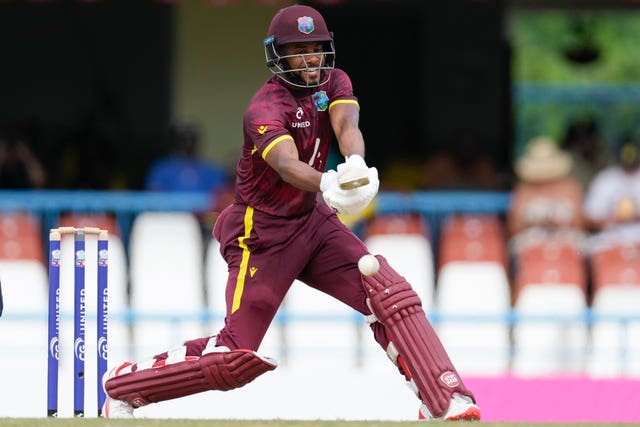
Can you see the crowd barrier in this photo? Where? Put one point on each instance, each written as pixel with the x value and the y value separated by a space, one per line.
pixel 48 205
pixel 125 205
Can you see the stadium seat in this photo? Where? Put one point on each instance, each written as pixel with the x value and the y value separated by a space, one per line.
pixel 550 294
pixel 24 331
pixel 21 237
pixel 473 282
pixel 317 329
pixel 404 240
pixel 615 348
pixel 472 238
pixel 23 274
pixel 166 270
pixel 309 327
pixel 96 219
pixel 215 284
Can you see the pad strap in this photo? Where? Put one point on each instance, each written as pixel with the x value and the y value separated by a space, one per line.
pixel 399 309
pixel 212 371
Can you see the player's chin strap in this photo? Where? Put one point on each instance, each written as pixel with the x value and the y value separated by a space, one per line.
pixel 218 368
pixel 414 346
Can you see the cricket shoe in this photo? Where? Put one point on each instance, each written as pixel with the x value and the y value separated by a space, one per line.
pixel 114 408
pixel 461 408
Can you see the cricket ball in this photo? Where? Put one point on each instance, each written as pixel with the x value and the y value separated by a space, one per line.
pixel 368 265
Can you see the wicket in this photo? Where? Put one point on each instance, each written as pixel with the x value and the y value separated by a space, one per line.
pixel 79 316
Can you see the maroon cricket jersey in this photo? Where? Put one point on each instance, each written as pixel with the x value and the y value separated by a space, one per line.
pixel 277 112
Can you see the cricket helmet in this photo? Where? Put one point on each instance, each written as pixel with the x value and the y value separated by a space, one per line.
pixel 298 24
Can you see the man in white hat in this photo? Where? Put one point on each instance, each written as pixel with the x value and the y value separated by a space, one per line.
pixel 545 215
pixel 546 196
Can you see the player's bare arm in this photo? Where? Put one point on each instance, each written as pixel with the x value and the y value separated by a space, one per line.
pixel 344 121
pixel 283 157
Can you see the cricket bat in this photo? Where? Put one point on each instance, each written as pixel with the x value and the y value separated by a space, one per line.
pixel 351 178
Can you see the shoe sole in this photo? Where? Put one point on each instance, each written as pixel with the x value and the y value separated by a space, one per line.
pixel 471 414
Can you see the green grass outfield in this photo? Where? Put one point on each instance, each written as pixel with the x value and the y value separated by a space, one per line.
pixel 143 422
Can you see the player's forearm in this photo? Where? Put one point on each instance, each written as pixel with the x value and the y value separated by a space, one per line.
pixel 344 121
pixel 351 142
pixel 300 175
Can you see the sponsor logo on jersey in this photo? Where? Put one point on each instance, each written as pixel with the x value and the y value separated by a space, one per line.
pixel 450 379
pixel 320 100
pixel 304 124
pixel 262 129
pixel 252 271
pixel 299 123
pixel 305 25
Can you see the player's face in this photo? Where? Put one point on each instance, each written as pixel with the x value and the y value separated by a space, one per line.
pixel 305 57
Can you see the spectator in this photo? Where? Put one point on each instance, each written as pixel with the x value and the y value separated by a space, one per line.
pixel 613 198
pixel 546 196
pixel 462 164
pixel 20 168
pixel 183 170
pixel 586 150
pixel 544 219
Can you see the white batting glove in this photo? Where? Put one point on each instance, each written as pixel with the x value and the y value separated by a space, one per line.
pixel 355 161
pixel 352 202
pixel 353 172
pixel 329 179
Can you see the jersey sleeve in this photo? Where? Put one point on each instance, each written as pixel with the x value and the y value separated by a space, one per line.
pixel 341 89
pixel 264 123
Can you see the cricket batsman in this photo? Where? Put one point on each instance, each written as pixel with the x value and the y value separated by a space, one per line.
pixel 282 226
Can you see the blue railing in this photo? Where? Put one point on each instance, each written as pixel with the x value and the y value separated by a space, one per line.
pixel 55 201
pixel 434 206
pixel 124 205
pixel 47 205
pixel 511 318
pixel 284 318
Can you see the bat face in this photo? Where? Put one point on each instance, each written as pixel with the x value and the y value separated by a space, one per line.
pixel 353 178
